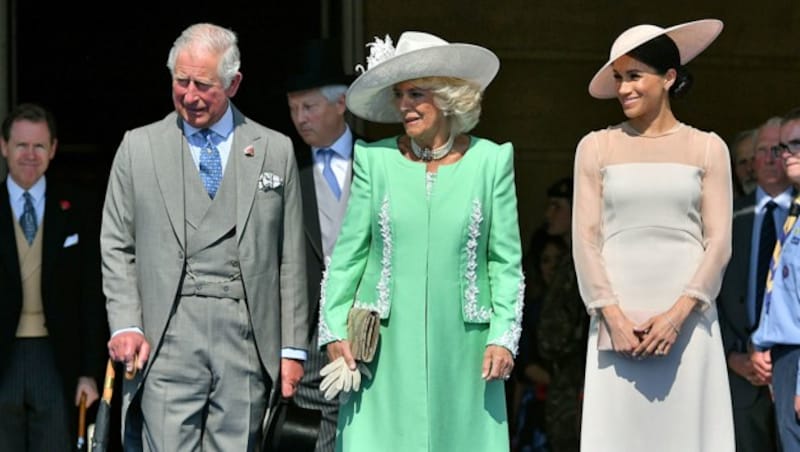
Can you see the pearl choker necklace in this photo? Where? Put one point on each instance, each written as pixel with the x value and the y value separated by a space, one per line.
pixel 428 154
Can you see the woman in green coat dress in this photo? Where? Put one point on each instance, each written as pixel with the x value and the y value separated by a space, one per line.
pixel 430 241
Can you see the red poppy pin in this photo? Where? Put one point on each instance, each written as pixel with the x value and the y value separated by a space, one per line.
pixel 65 204
pixel 250 151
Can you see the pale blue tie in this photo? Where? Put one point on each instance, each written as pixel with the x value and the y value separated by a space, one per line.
pixel 28 218
pixel 210 163
pixel 327 172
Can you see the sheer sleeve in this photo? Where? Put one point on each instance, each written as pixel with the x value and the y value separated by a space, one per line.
pixel 716 211
pixel 593 282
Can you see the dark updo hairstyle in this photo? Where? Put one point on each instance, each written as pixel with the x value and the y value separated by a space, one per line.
pixel 662 54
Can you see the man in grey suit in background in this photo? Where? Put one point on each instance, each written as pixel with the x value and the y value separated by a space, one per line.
pixel 315 91
pixel 753 412
pixel 203 262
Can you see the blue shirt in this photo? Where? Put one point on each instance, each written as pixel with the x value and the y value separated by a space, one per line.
pixel 784 201
pixel 780 317
pixel 224 139
pixel 342 152
pixel 15 196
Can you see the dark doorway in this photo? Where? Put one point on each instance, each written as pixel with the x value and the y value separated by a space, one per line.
pixel 102 69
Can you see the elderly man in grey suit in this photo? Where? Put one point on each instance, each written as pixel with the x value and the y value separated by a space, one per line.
pixel 203 262
pixel 315 87
pixel 757 221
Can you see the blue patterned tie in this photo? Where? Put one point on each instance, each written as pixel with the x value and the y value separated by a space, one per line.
pixel 210 163
pixel 28 218
pixel 327 172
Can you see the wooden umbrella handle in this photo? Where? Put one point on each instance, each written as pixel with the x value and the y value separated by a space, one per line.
pixel 82 421
pixel 108 383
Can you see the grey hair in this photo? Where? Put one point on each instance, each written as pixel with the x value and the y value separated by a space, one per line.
pixel 740 137
pixel 333 92
pixel 213 38
pixel 459 99
pixel 774 121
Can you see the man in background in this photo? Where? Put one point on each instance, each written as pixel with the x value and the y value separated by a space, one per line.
pixel 742 150
pixel 52 319
pixel 757 221
pixel 316 95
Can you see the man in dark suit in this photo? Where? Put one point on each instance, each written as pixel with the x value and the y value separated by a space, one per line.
pixel 52 321
pixel 316 95
pixel 743 285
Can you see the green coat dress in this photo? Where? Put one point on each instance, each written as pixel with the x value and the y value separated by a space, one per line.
pixel 441 263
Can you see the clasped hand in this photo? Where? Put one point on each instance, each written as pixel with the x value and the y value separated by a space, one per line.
pixel 654 337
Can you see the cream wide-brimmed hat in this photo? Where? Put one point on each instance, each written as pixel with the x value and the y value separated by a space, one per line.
pixel 417 55
pixel 690 37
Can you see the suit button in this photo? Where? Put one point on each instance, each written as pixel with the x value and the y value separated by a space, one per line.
pixel 180 254
pixel 235 264
pixel 225 288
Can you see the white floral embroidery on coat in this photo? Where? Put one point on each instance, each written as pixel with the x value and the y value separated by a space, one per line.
pixel 384 286
pixel 510 339
pixel 473 312
pixel 325 335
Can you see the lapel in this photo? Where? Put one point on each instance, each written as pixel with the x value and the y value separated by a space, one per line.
pixel 54 223
pixel 248 167
pixel 168 148
pixel 8 253
pixel 310 211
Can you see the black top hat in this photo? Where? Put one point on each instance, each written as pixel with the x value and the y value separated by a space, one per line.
pixel 316 63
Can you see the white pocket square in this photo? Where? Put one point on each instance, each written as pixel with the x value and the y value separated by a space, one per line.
pixel 269 181
pixel 71 240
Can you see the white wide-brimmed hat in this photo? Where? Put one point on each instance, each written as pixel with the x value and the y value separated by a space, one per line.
pixel 417 55
pixel 690 37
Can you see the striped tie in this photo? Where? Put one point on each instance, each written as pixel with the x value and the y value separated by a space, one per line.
pixel 776 253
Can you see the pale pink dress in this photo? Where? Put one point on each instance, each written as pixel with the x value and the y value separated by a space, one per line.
pixel 652 221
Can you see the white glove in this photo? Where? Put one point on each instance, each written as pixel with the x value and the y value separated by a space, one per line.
pixel 338 379
pixel 334 375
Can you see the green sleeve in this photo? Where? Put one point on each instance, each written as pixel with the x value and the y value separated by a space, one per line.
pixel 340 282
pixel 504 255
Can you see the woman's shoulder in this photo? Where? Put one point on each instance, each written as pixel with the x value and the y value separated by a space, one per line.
pixel 383 143
pixel 490 148
pixel 706 139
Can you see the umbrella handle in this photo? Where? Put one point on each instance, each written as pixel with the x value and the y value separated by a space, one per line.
pixel 82 422
pixel 108 383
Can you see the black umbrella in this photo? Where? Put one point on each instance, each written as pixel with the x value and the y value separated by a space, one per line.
pixel 102 424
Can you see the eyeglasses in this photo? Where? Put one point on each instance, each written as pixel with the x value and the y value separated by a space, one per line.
pixel 792 147
pixel 773 151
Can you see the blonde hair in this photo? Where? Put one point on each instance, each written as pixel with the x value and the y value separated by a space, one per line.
pixel 459 99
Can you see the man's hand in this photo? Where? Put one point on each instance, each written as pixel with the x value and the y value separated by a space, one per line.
pixel 762 365
pixel 742 365
pixel 131 348
pixel 291 373
pixel 86 385
pixel 797 406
